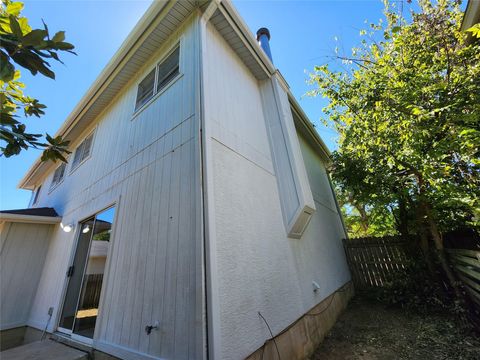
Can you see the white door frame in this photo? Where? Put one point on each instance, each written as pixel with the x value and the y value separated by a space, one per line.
pixel 69 332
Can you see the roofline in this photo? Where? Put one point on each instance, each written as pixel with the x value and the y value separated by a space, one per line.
pixel 256 50
pixel 30 219
pixel 144 26
pixel 315 138
pixel 122 54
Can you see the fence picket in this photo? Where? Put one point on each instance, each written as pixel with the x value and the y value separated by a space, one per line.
pixel 374 262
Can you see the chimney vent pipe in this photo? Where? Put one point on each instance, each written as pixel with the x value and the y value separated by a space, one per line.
pixel 263 38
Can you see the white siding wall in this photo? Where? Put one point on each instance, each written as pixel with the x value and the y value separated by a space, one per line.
pixel 148 166
pixel 23 248
pixel 257 268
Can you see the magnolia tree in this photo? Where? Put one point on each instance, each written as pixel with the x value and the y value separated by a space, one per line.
pixel 407 110
pixel 31 49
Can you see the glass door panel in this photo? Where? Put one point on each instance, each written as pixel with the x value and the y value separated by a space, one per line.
pixel 87 310
pixel 75 272
pixel 80 309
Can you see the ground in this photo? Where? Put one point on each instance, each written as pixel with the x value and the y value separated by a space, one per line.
pixel 371 331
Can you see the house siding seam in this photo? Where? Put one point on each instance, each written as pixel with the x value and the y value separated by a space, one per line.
pixel 149 164
pixel 256 267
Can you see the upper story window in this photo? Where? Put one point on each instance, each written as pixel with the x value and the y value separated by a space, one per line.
pixel 158 78
pixel 82 152
pixel 58 175
pixel 37 193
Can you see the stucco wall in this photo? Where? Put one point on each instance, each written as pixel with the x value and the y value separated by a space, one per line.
pixel 257 267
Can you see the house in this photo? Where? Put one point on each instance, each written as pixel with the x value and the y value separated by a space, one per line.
pixel 194 219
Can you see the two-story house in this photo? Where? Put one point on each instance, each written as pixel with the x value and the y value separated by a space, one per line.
pixel 195 214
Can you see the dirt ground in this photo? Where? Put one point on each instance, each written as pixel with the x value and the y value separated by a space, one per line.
pixel 370 331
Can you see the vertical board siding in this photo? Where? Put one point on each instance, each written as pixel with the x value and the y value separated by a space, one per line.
pixel 22 255
pixel 145 164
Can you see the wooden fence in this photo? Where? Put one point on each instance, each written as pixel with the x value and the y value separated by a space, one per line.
pixel 376 261
pixel 466 264
pixel 91 291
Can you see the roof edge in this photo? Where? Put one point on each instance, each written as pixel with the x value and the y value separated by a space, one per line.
pixel 29 219
pixel 249 36
pixel 142 28
pixel 137 32
pixel 314 136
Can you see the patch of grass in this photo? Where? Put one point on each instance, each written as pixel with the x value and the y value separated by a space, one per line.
pixel 370 330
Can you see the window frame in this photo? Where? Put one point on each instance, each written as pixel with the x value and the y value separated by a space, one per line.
pixel 75 167
pixel 36 195
pixel 156 91
pixel 53 185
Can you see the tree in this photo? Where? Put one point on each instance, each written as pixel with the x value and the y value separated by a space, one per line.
pixel 407 108
pixel 29 48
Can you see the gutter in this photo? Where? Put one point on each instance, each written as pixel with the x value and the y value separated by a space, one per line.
pixel 235 17
pixel 29 219
pixel 247 35
pixel 122 55
pixel 315 138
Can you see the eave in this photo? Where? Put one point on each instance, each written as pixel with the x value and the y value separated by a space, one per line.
pixel 161 19
pixel 306 128
pixel 30 219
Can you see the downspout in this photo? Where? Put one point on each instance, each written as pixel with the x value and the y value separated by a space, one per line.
pixel 208 214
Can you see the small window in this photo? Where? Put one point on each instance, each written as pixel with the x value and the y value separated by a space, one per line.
pixel 158 78
pixel 37 193
pixel 145 89
pixel 83 151
pixel 58 175
pixel 168 69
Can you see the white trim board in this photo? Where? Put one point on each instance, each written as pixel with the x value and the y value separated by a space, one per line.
pixel 35 219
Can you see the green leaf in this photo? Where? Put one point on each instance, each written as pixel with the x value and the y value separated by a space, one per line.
pixel 64 46
pixel 7 70
pixel 14 8
pixel 396 29
pixel 34 38
pixel 59 36
pixel 15 27
pixel 24 25
pixel 475 30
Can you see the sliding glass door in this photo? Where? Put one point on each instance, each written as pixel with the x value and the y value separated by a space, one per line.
pixel 80 308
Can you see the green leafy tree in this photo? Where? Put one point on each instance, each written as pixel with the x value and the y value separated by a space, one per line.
pixel 31 49
pixel 407 109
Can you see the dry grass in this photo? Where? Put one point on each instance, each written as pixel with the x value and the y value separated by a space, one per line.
pixel 370 331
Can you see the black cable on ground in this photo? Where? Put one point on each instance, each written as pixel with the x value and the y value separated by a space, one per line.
pixel 343 289
pixel 272 337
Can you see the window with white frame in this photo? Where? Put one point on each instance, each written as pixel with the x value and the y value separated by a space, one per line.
pixel 158 78
pixel 58 175
pixel 82 151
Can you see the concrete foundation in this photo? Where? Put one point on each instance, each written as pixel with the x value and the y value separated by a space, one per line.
pixel 24 343
pixel 43 350
pixel 18 336
pixel 300 339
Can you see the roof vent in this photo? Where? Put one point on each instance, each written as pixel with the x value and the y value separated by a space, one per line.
pixel 263 38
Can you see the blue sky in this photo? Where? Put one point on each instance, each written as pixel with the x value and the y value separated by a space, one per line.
pixel 302 33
